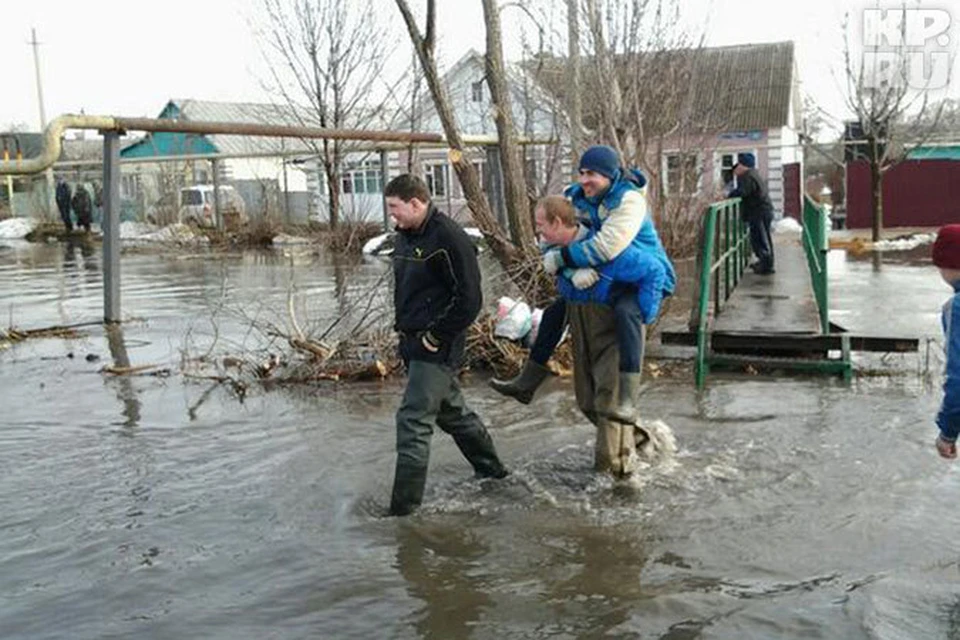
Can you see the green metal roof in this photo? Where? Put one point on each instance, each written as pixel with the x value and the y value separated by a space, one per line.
pixel 935 153
pixel 169 144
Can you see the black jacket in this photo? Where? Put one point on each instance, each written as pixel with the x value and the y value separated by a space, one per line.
pixel 436 286
pixel 756 199
pixel 81 201
pixel 63 196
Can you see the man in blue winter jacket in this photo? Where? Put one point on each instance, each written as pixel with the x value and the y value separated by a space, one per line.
pixel 608 338
pixel 946 256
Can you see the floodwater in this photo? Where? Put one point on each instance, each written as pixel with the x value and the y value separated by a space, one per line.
pixel 161 507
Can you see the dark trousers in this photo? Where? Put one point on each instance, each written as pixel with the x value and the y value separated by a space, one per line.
pixel 629 329
pixel 761 241
pixel 433 396
pixel 552 323
pixel 84 218
pixel 65 216
pixel 630 335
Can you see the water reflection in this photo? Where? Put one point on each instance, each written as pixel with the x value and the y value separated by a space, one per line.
pixel 604 586
pixel 88 260
pixel 440 565
pixel 126 392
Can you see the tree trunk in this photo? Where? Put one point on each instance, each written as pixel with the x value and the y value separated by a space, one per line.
pixel 507 254
pixel 876 189
pixel 514 185
pixel 574 103
pixel 333 194
pixel 611 107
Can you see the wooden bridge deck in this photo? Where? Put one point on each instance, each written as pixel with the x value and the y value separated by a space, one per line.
pixel 780 303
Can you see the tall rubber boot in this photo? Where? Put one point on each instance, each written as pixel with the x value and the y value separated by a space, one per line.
pixel 524 385
pixel 628 401
pixel 408 485
pixel 615 451
pixel 628 394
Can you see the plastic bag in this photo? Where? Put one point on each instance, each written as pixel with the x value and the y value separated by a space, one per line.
pixel 514 319
pixel 531 336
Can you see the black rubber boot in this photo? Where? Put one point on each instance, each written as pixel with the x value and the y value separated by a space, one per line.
pixel 524 385
pixel 408 485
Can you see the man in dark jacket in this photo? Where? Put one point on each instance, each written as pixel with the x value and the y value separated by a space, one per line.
pixel 63 203
pixel 436 297
pixel 82 206
pixel 756 209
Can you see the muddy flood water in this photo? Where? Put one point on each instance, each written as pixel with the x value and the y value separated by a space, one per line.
pixel 161 507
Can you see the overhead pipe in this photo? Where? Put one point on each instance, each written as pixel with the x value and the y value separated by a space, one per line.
pixel 52 144
pixel 53 135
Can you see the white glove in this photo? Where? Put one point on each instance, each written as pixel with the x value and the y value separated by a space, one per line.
pixel 552 261
pixel 584 278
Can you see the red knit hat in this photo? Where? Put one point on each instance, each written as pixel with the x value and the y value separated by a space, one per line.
pixel 946 248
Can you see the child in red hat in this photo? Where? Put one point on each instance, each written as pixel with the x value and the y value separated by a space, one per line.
pixel 946 255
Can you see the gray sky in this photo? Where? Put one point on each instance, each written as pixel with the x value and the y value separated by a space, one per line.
pixel 109 58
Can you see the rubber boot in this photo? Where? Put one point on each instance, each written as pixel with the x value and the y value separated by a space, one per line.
pixel 615 451
pixel 627 405
pixel 524 385
pixel 408 485
pixel 476 445
pixel 628 393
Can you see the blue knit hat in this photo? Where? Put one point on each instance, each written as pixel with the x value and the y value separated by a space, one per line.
pixel 601 159
pixel 746 159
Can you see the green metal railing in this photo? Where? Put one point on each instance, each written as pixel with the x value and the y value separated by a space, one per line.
pixel 724 256
pixel 815 246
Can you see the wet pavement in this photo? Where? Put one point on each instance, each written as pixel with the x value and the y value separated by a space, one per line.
pixel 164 508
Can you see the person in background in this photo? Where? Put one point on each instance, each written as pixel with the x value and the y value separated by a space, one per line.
pixel 63 203
pixel 946 256
pixel 82 206
pixel 756 210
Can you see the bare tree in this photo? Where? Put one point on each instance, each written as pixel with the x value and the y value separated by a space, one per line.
pixel 519 258
pixel 656 88
pixel 892 115
pixel 574 100
pixel 329 56
pixel 518 209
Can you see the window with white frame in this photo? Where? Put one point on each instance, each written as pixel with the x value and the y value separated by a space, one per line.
pixel 682 173
pixel 476 91
pixel 128 186
pixel 725 162
pixel 437 177
pixel 361 177
pixel 478 167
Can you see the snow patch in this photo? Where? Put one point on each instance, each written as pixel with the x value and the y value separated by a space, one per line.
pixel 787 225
pixel 177 233
pixel 15 228
pixel 286 239
pixel 904 244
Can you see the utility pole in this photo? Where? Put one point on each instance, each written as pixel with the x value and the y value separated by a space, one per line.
pixel 43 117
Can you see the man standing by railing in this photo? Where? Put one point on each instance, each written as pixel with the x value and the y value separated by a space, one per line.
pixel 756 209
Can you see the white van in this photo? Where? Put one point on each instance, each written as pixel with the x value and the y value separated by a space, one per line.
pixel 196 206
